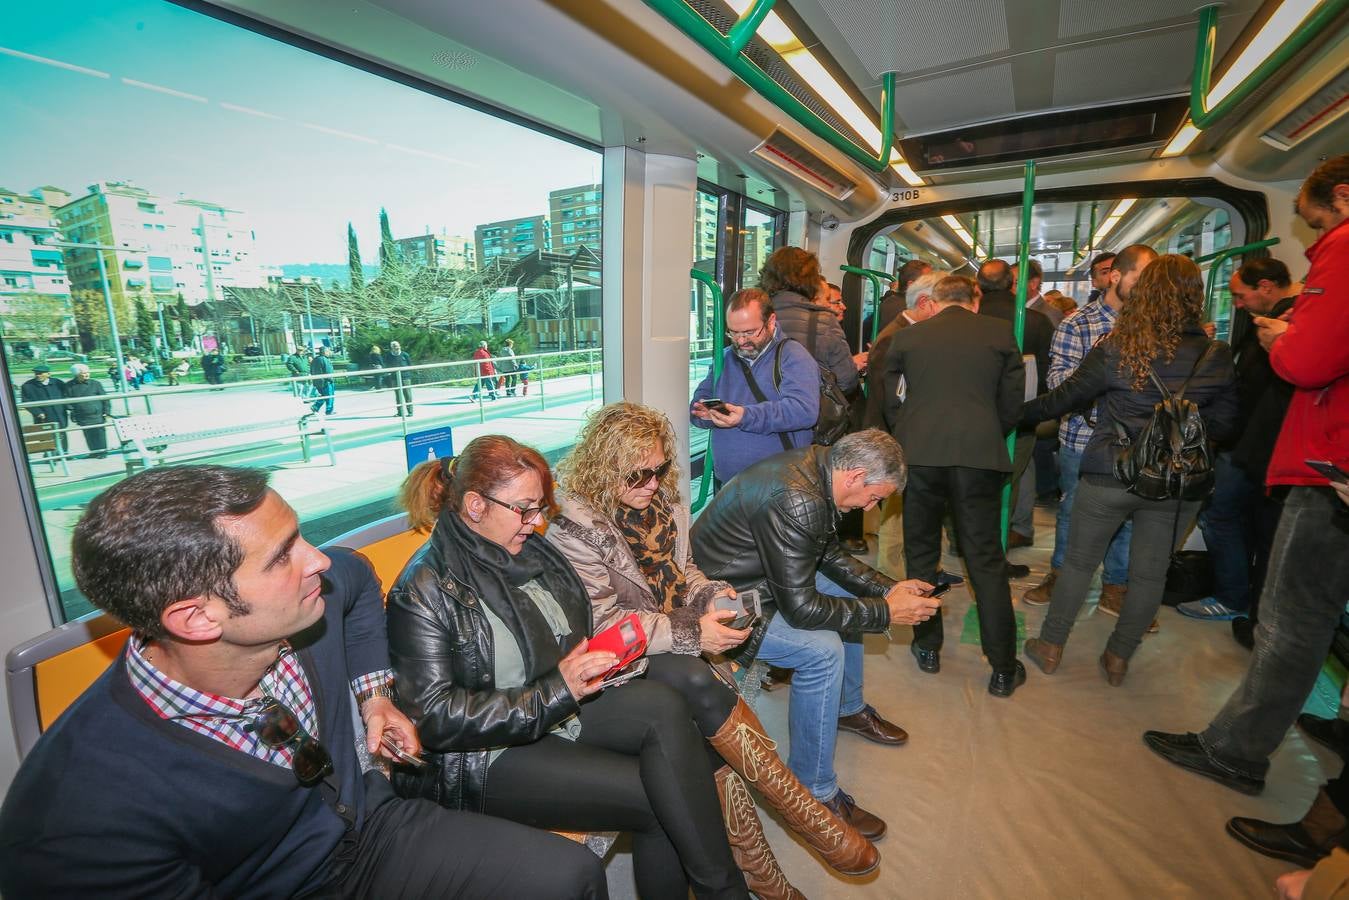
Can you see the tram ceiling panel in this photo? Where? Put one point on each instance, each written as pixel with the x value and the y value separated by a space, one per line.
pixel 961 62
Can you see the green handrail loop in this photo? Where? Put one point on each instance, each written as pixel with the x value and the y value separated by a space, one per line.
pixel 1019 321
pixel 1217 259
pixel 706 35
pixel 748 24
pixel 1201 116
pixel 875 278
pixel 718 351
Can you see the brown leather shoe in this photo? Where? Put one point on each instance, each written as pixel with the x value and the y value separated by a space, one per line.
pixel 869 826
pixel 871 726
pixel 1017 539
pixel 1114 667
pixel 1042 592
pixel 1044 654
pixel 1112 601
pixel 749 847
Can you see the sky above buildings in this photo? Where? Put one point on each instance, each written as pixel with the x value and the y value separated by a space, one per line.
pixel 181 104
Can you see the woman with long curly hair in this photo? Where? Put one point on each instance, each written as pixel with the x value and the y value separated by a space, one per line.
pixel 624 529
pixel 1159 335
pixel 488 636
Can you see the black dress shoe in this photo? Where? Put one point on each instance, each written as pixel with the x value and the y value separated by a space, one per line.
pixel 1290 842
pixel 1331 733
pixel 870 826
pixel 853 545
pixel 1243 631
pixel 1002 683
pixel 871 726
pixel 929 661
pixel 1016 570
pixel 1185 751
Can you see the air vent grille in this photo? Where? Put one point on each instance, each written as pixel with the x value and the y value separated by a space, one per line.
pixel 784 152
pixel 1322 108
pixel 722 17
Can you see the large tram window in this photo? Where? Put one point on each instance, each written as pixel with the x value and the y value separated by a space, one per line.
pixel 184 204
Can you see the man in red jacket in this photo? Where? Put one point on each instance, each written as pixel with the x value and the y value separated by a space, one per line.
pixel 487 373
pixel 1308 575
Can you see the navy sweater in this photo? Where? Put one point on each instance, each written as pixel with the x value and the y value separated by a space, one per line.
pixel 114 801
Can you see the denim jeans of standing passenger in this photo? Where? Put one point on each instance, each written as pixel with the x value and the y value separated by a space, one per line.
pixel 826 684
pixel 1099 508
pixel 1117 555
pixel 1300 607
pixel 1230 523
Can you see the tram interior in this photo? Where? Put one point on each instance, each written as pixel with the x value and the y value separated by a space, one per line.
pixel 645 154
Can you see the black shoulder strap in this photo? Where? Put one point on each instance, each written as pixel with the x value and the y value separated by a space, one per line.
pixel 811 330
pixel 759 394
pixel 1180 394
pixel 777 365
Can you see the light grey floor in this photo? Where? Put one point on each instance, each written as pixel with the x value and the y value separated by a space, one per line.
pixel 1050 794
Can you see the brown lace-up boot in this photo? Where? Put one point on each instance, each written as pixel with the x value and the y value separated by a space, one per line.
pixel 742 743
pixel 1112 601
pixel 1040 594
pixel 750 848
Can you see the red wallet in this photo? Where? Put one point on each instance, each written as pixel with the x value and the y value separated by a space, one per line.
pixel 625 639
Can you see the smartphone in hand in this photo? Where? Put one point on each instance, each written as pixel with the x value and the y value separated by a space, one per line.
pixel 1329 470
pixel 939 590
pixel 625 674
pixel 715 403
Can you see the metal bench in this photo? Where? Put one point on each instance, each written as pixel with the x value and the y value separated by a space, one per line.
pixel 152 435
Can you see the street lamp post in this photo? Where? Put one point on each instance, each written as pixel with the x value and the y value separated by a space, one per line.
pixel 107 303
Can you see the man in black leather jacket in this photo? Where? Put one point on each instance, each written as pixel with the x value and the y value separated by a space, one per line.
pixel 772 528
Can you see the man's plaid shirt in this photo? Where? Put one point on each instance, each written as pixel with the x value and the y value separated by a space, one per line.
pixel 1072 339
pixel 225 719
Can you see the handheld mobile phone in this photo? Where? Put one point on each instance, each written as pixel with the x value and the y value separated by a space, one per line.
pixel 624 639
pixel 745 604
pixel 939 589
pixel 1328 469
pixel 625 674
pixel 715 403
pixel 400 754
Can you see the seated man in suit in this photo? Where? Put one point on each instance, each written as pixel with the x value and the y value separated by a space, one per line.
pixel 964 381
pixel 216 757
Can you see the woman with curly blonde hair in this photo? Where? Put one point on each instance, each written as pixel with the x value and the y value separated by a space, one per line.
pixel 1158 339
pixel 624 529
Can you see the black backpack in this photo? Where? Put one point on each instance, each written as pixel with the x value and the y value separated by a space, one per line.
pixel 1171 458
pixel 832 423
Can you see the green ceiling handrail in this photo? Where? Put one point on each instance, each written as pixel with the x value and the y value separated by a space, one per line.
pixel 1321 18
pixel 718 351
pixel 706 35
pixel 1217 259
pixel 1019 320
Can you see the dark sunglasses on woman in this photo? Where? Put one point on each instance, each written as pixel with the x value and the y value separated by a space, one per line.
pixel 642 476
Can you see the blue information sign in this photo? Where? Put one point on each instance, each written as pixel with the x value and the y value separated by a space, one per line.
pixel 433 443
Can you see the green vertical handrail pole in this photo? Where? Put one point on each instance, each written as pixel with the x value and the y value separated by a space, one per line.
pixel 1077 233
pixel 706 35
pixel 1222 256
pixel 975 232
pixel 1091 231
pixel 1019 322
pixel 1320 20
pixel 718 350
pixel 875 278
pixel 743 31
pixel 992 232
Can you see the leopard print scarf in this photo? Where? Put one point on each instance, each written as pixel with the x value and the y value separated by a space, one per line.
pixel 650 535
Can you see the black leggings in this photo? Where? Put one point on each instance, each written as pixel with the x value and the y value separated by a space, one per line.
pixel 639 766
pixel 710 700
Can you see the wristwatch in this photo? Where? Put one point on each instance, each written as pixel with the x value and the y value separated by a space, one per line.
pixel 379 690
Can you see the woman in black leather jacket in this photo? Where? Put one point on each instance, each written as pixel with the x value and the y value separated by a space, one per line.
pixel 488 629
pixel 1159 329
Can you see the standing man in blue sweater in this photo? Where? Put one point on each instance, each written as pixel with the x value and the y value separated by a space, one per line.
pixel 769 390
pixel 217 756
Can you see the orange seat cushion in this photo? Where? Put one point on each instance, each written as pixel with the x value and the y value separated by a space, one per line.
pixel 388 556
pixel 65 676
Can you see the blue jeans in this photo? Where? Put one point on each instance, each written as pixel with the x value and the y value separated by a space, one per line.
pixel 827 684
pixel 1229 523
pixel 1117 554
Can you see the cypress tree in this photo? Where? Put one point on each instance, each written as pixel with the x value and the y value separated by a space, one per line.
pixel 388 253
pixel 184 321
pixel 354 261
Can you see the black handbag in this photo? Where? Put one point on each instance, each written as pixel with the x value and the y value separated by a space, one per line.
pixel 1188 577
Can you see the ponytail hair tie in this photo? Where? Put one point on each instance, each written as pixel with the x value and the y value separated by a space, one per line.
pixel 447 468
